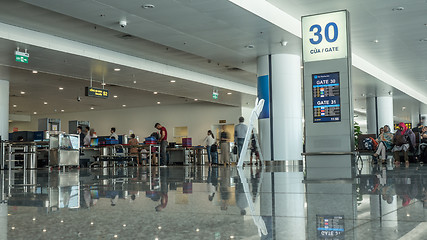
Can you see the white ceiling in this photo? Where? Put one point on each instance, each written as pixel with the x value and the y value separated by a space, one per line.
pixel 207 36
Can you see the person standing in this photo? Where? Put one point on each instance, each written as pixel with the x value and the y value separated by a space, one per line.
pixel 134 150
pixel 225 146
pixel 163 140
pixel 240 134
pixel 209 141
pixel 81 135
pixel 113 134
pixel 254 150
pixel 91 134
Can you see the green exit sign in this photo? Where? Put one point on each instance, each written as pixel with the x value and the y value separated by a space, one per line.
pixel 21 57
pixel 215 94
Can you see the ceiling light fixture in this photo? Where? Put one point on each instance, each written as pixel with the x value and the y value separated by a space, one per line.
pixel 35 112
pixel 22 92
pixel 229 93
pixel 115 96
pixel 158 102
pixel 155 92
pixel 148 6
pixel 283 43
pixel 34 71
pixel 45 103
pixel 62 110
pixel 116 69
pixel 172 81
pixel 134 81
pixel 14 105
pixel 103 84
pixel 376 41
pixel 398 9
pixel 124 105
pixel 196 99
pixel 61 88
pixel 92 108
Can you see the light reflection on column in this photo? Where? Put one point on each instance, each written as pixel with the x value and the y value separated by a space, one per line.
pixel 331 194
pixel 284 191
pixel 290 222
pixel 3 208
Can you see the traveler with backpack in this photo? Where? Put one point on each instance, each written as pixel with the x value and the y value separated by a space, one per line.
pixel 385 142
pixel 404 140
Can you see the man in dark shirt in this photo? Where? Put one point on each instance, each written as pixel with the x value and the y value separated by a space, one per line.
pixel 81 134
pixel 163 143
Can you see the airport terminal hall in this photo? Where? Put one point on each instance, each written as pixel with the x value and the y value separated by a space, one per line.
pixel 213 119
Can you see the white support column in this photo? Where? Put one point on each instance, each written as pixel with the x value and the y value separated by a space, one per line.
pixel 415 116
pixel 423 112
pixel 281 132
pixel 385 111
pixel 4 109
pixel 371 115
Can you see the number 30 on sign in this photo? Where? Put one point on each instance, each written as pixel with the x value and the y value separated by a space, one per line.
pixel 325 36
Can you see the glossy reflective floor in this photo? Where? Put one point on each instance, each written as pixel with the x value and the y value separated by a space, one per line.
pixel 202 202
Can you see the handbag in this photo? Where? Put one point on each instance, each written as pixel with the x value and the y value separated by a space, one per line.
pixel 235 150
pixel 214 147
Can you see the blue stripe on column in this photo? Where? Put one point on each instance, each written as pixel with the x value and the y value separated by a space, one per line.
pixel 263 89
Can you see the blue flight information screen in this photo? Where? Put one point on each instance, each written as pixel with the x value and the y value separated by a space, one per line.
pixel 326 97
pixel 330 227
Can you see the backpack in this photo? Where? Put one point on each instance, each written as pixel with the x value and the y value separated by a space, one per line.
pixel 374 143
pixel 368 144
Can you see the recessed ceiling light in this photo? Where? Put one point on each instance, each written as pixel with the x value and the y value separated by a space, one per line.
pixel 14 105
pixel 115 96
pixel 103 84
pixel 229 93
pixel 116 69
pixel 22 92
pixel 124 105
pixel 45 103
pixel 34 71
pixel 134 81
pixel 92 108
pixel 148 6
pixel 61 88
pixel 158 102
pixel 172 81
pixel 62 110
pixel 196 99
pixel 35 112
pixel 250 46
pixel 375 41
pixel 398 9
pixel 157 92
pixel 363 94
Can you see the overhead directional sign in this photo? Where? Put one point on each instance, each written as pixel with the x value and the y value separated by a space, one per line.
pixel 324 36
pixel 96 92
pixel 21 57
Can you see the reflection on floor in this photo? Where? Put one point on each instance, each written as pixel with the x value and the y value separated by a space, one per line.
pixel 201 202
